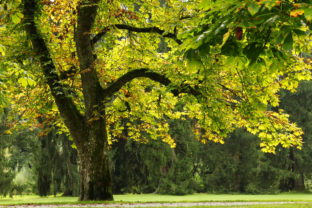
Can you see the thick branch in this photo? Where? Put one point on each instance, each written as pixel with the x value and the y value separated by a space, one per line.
pixel 119 83
pixel 66 106
pixel 86 13
pixel 138 30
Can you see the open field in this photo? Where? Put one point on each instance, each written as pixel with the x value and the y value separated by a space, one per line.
pixel 146 198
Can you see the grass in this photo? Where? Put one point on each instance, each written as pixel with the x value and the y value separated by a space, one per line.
pixel 143 198
pixel 214 197
pixel 253 206
pixel 244 206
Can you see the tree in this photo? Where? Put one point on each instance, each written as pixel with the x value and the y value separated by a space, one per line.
pixel 17 157
pixel 227 61
pixel 6 174
pixel 298 105
pixel 154 167
pixel 57 165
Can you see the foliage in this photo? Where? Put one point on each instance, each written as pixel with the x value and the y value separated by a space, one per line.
pixel 256 45
pixel 228 97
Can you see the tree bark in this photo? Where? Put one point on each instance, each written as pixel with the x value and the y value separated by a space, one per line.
pixel 95 176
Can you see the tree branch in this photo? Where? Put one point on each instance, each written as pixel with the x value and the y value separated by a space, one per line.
pixel 129 76
pixel 72 117
pixel 138 30
pixel 91 88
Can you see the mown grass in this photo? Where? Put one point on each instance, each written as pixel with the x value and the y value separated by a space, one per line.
pixel 214 197
pixel 253 206
pixel 144 198
pixel 242 206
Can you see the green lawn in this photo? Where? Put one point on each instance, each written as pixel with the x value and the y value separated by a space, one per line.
pixel 297 197
pixel 244 206
pixel 214 197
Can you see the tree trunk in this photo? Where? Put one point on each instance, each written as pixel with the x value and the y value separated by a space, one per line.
pixel 45 165
pixel 88 131
pixel 299 183
pixel 95 176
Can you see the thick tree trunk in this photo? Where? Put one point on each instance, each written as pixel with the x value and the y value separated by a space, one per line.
pixel 95 176
pixel 88 131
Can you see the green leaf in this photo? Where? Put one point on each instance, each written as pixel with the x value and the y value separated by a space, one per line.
pixel 308 13
pixel 22 81
pixel 205 5
pixel 230 48
pixel 270 4
pixel 226 37
pixel 193 60
pixel 252 51
pixel 253 8
pixel 271 20
pixel 17 17
pixel 2 52
pixel 204 50
pixel 279 38
pixel 288 42
pixel 74 146
pixel 300 32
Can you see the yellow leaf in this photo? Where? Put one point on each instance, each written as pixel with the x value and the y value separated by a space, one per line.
pixel 8 131
pixel 296 13
pixel 226 37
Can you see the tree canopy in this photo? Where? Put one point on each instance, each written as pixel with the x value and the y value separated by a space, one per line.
pixel 97 64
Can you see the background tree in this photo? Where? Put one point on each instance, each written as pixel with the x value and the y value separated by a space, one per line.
pixel 57 168
pixel 227 62
pixel 298 105
pixel 18 153
pixel 6 174
pixel 154 167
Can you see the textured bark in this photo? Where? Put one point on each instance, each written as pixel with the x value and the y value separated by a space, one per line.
pixel 138 30
pixel 95 177
pixel 146 73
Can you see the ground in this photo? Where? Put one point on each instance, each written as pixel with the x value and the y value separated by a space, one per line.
pixel 178 204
